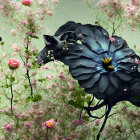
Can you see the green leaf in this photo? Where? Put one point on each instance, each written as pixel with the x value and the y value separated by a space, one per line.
pixel 15 101
pixel 88 98
pixel 41 80
pixel 36 37
pixel 28 99
pixel 12 79
pixel 36 98
pixel 135 46
pixel 2 43
pixel 96 22
pixel 71 102
pixel 26 86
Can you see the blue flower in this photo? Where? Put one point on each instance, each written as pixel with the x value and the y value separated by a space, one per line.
pixel 103 66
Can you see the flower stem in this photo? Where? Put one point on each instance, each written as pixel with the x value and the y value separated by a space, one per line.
pixel 12 96
pixel 47 135
pixel 27 70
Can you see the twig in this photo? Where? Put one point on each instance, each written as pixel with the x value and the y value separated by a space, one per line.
pixel 103 125
pixel 27 71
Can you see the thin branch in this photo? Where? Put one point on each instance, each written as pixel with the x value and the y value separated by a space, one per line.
pixel 103 125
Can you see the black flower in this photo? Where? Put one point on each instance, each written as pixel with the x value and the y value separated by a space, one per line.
pixel 102 65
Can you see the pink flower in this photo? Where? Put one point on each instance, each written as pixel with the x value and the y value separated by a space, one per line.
pixel 13 63
pixel 97 122
pixel 111 39
pixel 55 1
pixel 27 2
pixel 136 113
pixel 50 123
pixel 50 13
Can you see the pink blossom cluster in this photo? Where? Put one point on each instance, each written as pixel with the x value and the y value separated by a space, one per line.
pixel 125 12
pixel 27 14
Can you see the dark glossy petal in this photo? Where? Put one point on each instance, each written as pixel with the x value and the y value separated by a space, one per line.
pixel 103 83
pixel 135 100
pixel 114 80
pixel 69 26
pixel 91 81
pixel 95 91
pixel 83 76
pixel 81 61
pixel 129 67
pixel 84 30
pixel 92 44
pixel 118 44
pixel 82 50
pixel 82 70
pixel 123 76
pixel 122 53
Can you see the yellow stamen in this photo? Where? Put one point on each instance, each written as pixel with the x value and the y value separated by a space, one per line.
pixel 111 67
pixel 106 60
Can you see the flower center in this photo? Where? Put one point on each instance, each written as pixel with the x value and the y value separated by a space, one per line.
pixel 107 64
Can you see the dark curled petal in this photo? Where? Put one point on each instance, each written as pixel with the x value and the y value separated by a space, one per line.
pixel 123 76
pixel 92 44
pixel 82 76
pixel 135 100
pixel 118 44
pixel 103 83
pixel 122 53
pixel 84 30
pixel 90 82
pixel 69 26
pixel 129 67
pixel 102 30
pixel 82 50
pixel 114 80
pixel 101 39
pixel 82 61
pixel 95 91
pixel 82 70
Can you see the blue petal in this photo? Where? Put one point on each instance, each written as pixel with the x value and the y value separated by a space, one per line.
pixel 122 53
pixel 92 44
pixel 91 81
pixel 103 83
pixel 124 76
pixel 82 70
pixel 129 67
pixel 83 76
pixel 82 50
pixel 118 44
pixel 114 80
pixel 102 39
pixel 82 61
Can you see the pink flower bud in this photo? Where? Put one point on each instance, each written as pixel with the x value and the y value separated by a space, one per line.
pixel 13 63
pixel 50 13
pixel 27 2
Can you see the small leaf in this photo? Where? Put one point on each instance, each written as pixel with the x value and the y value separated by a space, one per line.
pixel 16 101
pixel 41 80
pixel 12 79
pixel 26 86
pixel 2 43
pixel 36 98
pixel 36 37
pixel 96 22
pixel 28 99
pixel 135 46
